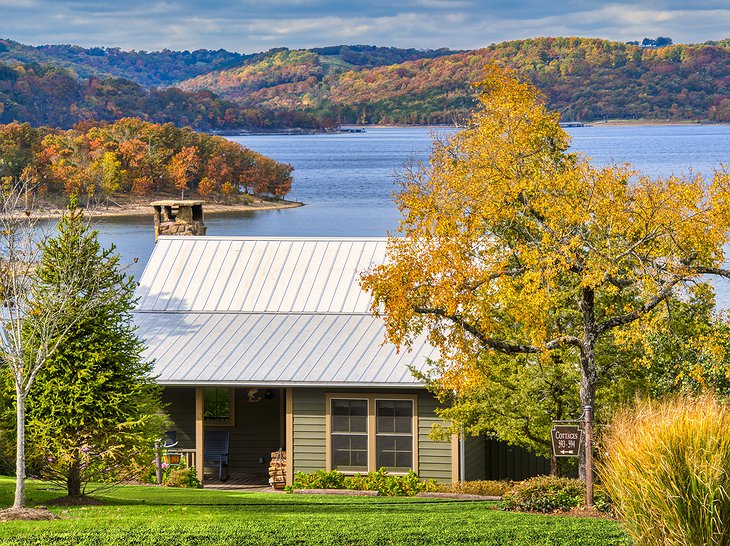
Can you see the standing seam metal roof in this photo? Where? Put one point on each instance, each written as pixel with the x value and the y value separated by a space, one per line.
pixel 263 311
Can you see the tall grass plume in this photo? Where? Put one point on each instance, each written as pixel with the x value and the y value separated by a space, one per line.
pixel 666 466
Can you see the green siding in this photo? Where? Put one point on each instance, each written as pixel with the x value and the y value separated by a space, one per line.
pixel 434 457
pixel 180 405
pixel 309 449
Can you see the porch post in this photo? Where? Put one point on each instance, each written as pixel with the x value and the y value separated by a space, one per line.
pixel 455 474
pixel 289 436
pixel 199 434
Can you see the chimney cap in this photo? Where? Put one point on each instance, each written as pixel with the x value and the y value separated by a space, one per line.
pixel 176 203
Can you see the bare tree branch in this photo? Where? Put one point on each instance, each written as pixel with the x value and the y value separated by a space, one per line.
pixel 713 271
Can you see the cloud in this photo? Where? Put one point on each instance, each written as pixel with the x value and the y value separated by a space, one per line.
pixel 249 26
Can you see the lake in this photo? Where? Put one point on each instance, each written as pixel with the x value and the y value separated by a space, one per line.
pixel 346 180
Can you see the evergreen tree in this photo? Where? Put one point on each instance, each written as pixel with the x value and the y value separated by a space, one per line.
pixel 93 413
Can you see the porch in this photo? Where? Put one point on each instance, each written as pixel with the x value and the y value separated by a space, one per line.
pixel 252 483
pixel 254 419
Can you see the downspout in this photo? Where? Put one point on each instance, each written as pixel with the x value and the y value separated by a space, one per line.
pixel 462 456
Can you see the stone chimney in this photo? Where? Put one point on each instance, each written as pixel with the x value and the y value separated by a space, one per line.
pixel 178 218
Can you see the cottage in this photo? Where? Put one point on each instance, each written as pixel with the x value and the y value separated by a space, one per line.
pixel 272 340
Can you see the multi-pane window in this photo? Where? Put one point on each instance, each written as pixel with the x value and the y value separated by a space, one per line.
pixel 349 430
pixel 218 405
pixel 371 432
pixel 394 434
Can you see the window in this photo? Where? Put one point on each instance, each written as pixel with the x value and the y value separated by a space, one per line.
pixel 394 434
pixel 218 406
pixel 366 432
pixel 350 435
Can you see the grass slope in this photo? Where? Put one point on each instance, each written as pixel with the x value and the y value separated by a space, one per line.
pixel 150 515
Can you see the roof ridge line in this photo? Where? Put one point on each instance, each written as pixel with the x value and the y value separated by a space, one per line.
pixel 234 312
pixel 377 238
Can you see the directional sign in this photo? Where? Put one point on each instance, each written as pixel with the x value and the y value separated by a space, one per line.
pixel 566 440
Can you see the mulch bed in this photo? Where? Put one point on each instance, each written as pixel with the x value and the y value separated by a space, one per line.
pixel 346 492
pixel 82 500
pixel 27 514
pixel 461 496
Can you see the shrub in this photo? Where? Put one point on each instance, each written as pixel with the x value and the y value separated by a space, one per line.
pixel 387 485
pixel 491 488
pixel 182 477
pixel 390 486
pixel 666 468
pixel 320 479
pixel 545 494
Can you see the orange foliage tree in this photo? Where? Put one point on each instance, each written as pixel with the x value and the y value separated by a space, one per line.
pixel 184 168
pixel 133 156
pixel 512 246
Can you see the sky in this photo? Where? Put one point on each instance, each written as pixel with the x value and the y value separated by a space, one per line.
pixel 249 26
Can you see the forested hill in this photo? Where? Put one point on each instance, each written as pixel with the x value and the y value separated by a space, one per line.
pixel 147 68
pixel 166 67
pixel 585 79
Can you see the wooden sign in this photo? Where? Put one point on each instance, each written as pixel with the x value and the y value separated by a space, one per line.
pixel 566 440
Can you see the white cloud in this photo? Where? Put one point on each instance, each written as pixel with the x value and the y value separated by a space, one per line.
pixel 251 26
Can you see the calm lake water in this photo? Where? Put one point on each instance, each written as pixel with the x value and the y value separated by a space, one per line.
pixel 346 180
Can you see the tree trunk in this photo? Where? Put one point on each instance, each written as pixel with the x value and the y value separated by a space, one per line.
pixel 587 362
pixel 73 480
pixel 554 469
pixel 20 450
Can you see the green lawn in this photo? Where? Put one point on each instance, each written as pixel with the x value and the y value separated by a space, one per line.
pixel 150 515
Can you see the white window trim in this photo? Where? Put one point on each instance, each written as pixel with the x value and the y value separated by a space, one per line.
pixel 371 425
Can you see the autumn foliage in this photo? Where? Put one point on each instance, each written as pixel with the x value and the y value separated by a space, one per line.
pixel 131 156
pixel 585 79
pixel 512 246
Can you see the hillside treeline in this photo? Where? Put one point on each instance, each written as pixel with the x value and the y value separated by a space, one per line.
pixel 154 68
pixel 585 79
pixel 46 95
pixel 133 157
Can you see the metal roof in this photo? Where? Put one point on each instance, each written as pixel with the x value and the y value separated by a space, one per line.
pixel 268 312
pixel 272 349
pixel 258 275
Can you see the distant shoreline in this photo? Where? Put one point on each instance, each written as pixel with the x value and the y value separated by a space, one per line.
pixel 144 209
pixel 651 122
pixel 360 128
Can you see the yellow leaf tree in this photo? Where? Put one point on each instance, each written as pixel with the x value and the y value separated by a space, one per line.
pixel 511 245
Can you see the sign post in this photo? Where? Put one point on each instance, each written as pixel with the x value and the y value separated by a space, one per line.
pixel 588 424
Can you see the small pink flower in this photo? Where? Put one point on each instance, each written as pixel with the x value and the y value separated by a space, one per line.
pixel 163 465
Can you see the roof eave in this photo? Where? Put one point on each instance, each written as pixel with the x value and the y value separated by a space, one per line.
pixel 286 384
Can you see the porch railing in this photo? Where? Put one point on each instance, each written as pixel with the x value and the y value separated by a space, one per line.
pixel 174 456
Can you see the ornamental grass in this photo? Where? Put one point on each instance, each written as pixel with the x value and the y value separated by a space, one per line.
pixel 666 467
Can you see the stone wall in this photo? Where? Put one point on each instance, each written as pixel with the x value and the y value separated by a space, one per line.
pixel 177 228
